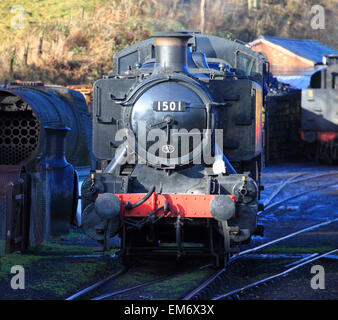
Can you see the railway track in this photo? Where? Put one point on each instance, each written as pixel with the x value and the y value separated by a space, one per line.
pixel 89 293
pixel 214 281
pixel 240 291
pixel 293 179
pixel 96 285
pixel 211 280
pixel 135 287
pixel 267 202
pixel 288 236
pixel 205 289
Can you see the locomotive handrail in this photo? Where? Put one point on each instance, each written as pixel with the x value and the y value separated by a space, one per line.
pixel 158 79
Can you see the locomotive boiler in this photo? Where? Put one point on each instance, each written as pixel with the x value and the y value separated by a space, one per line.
pixel 44 130
pixel 177 131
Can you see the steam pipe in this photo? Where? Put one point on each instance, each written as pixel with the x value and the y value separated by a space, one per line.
pixel 119 158
pixel 130 206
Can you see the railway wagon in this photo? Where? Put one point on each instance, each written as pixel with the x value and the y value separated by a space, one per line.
pixel 319 113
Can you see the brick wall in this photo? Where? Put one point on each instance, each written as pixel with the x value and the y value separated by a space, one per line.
pixel 280 61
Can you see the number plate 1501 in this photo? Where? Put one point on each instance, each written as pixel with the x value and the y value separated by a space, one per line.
pixel 169 106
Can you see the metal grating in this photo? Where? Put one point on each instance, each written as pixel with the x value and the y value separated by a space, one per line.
pixel 19 136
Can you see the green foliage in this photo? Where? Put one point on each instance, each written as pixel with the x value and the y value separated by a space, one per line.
pixel 37 13
pixel 50 273
pixel 72 42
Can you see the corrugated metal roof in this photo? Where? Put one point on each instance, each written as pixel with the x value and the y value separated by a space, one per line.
pixel 309 49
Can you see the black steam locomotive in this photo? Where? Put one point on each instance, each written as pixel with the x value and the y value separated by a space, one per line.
pixel 320 113
pixel 178 134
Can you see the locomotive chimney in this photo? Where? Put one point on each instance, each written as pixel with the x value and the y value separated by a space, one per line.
pixel 171 52
pixel 55 148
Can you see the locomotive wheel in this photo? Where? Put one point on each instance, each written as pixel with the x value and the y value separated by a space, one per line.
pixel 226 235
pixel 226 240
pixel 222 244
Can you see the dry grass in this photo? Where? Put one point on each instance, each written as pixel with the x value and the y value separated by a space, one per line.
pixel 78 50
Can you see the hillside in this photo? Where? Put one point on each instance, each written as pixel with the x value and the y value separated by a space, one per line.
pixel 69 41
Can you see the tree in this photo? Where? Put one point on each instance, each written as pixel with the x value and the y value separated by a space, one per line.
pixel 203 7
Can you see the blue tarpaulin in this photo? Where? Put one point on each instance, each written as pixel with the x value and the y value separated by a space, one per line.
pixel 298 81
